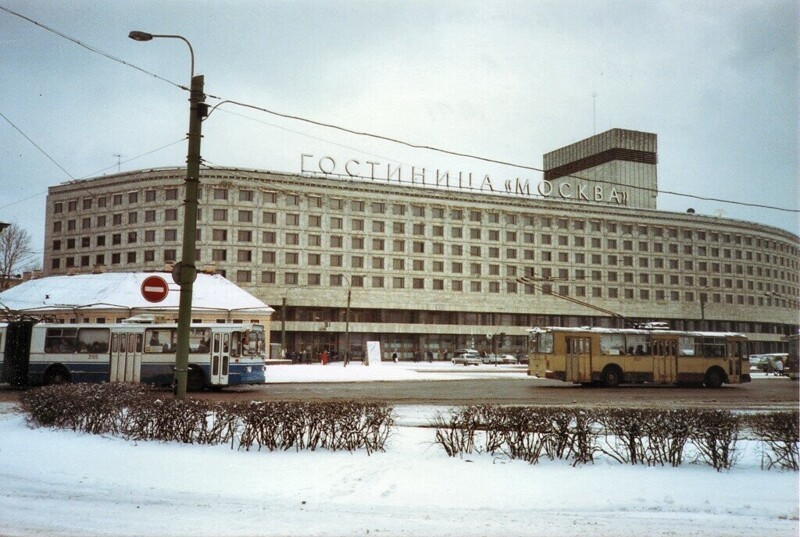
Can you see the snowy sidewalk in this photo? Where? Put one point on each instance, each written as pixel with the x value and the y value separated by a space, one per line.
pixel 62 483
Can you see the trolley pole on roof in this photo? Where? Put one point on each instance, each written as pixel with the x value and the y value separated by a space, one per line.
pixel 185 272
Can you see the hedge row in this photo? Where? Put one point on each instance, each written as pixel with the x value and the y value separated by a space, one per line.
pixel 629 436
pixel 133 412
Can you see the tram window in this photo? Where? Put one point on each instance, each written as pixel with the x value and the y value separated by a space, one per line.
pixel 612 344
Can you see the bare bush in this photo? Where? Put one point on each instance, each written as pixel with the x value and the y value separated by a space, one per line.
pixel 715 435
pixel 131 411
pixel 456 431
pixel 779 434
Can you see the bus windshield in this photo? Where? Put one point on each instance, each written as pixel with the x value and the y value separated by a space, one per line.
pixel 543 342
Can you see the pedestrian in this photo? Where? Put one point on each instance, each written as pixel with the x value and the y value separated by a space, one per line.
pixel 778 368
pixel 394 357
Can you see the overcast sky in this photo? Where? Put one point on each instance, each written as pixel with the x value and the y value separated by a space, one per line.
pixel 717 81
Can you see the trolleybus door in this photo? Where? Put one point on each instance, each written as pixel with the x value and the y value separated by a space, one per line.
pixel 579 359
pixel 665 361
pixel 126 358
pixel 735 363
pixel 220 358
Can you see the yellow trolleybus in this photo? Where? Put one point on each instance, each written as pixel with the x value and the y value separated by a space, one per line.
pixel 610 356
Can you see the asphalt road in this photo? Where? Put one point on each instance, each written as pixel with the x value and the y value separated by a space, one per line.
pixel 761 394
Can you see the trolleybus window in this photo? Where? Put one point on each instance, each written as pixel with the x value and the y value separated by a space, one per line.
pixel 686 346
pixel 543 342
pixel 637 344
pixel 166 340
pixel 612 344
pixel 93 340
pixel 710 346
pixel 60 340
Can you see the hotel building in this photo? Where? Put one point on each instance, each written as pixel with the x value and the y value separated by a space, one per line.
pixel 431 262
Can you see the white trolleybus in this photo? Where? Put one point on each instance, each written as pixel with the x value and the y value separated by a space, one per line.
pixel 33 353
pixel 609 357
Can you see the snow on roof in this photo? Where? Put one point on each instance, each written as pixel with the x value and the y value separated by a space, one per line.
pixel 110 290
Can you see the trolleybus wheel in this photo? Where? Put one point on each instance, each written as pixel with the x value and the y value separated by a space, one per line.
pixel 714 378
pixel 56 374
pixel 195 381
pixel 611 376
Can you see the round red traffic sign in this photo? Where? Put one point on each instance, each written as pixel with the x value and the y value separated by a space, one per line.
pixel 154 289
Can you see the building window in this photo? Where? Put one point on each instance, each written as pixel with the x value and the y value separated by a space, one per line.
pixel 243 276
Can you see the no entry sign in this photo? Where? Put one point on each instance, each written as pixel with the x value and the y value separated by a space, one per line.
pixel 154 289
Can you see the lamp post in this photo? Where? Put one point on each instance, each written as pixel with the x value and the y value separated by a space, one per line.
pixel 185 272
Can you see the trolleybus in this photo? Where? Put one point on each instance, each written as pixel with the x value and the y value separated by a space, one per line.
pixel 610 356
pixel 220 355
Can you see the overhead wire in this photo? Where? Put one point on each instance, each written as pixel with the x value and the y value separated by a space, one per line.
pixel 385 138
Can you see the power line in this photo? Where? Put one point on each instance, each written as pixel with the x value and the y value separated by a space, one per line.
pixel 388 138
pixel 489 160
pixel 37 146
pixel 91 48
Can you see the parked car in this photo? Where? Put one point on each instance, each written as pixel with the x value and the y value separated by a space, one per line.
pixel 499 359
pixel 467 357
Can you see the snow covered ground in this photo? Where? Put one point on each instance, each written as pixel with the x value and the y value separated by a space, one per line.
pixel 63 483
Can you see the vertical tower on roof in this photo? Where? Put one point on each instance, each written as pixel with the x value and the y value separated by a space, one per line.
pixel 618 161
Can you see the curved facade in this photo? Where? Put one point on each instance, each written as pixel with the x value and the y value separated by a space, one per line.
pixel 433 269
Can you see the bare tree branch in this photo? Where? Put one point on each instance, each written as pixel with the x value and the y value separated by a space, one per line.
pixel 15 249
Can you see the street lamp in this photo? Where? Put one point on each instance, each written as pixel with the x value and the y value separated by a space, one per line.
pixel 185 272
